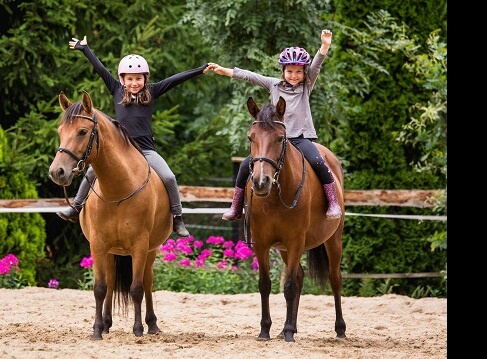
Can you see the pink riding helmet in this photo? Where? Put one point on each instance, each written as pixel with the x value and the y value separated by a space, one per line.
pixel 294 56
pixel 132 64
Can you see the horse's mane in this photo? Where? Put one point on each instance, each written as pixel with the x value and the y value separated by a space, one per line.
pixel 77 109
pixel 267 116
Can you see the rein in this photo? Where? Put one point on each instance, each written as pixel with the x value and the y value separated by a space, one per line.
pixel 81 165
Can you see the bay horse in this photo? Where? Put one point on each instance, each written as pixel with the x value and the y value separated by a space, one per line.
pixel 126 216
pixel 288 212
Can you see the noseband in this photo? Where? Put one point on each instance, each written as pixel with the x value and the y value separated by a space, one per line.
pixel 81 162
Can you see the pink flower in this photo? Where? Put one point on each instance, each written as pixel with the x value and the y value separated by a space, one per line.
pixel 198 244
pixel 169 246
pixel 169 257
pixel 228 253
pixel 215 240
pixel 205 253
pixel 53 283
pixel 10 258
pixel 199 263
pixel 185 262
pixel 222 264
pixel 228 245
pixel 183 247
pixel 86 262
pixel 243 252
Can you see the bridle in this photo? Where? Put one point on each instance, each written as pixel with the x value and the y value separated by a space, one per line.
pixel 81 162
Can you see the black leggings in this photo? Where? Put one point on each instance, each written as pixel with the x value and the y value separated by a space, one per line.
pixel 310 152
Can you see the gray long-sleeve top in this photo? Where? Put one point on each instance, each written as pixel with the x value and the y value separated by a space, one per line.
pixel 298 118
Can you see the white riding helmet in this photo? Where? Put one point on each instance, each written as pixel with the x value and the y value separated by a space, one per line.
pixel 132 64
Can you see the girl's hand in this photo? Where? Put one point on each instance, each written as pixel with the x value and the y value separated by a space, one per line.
pixel 76 44
pixel 326 36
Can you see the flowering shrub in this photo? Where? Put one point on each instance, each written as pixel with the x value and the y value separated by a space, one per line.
pixel 9 273
pixel 216 266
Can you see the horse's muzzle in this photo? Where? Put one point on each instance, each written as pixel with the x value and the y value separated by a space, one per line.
pixel 61 176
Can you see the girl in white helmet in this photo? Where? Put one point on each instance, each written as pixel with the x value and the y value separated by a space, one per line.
pixel 299 75
pixel 133 98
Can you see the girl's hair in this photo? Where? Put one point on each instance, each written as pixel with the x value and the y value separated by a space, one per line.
pixel 143 97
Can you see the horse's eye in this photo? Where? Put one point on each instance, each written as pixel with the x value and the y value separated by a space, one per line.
pixel 282 139
pixel 82 132
pixel 249 138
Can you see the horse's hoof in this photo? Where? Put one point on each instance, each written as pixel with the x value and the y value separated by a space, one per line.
pixel 263 336
pixel 289 338
pixel 154 330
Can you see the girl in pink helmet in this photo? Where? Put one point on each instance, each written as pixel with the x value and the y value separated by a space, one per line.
pixel 133 98
pixel 299 75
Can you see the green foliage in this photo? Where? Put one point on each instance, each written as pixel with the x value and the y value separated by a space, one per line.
pixel 21 234
pixel 382 93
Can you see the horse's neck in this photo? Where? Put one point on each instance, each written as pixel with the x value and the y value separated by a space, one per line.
pixel 118 162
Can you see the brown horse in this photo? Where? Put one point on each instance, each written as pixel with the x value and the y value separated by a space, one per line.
pixel 288 212
pixel 126 216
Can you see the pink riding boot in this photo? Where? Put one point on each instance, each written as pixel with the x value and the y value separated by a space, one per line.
pixel 334 210
pixel 235 211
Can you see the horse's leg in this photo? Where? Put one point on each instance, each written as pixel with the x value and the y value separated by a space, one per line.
pixel 139 258
pixel 99 290
pixel 265 290
pixel 107 307
pixel 334 250
pixel 150 316
pixel 292 291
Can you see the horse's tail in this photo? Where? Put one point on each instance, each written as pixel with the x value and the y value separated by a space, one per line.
pixel 123 280
pixel 318 264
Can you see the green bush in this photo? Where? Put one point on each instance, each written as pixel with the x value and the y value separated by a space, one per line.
pixel 21 234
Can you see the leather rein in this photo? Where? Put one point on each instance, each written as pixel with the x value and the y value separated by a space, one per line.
pixel 81 163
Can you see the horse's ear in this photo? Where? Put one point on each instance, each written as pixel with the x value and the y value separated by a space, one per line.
pixel 64 101
pixel 281 107
pixel 252 106
pixel 87 103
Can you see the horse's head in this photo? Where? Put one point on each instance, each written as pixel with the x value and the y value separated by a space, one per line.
pixel 77 133
pixel 268 143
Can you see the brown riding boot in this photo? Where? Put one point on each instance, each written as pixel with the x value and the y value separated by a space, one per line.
pixel 235 211
pixel 334 210
pixel 178 227
pixel 71 214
